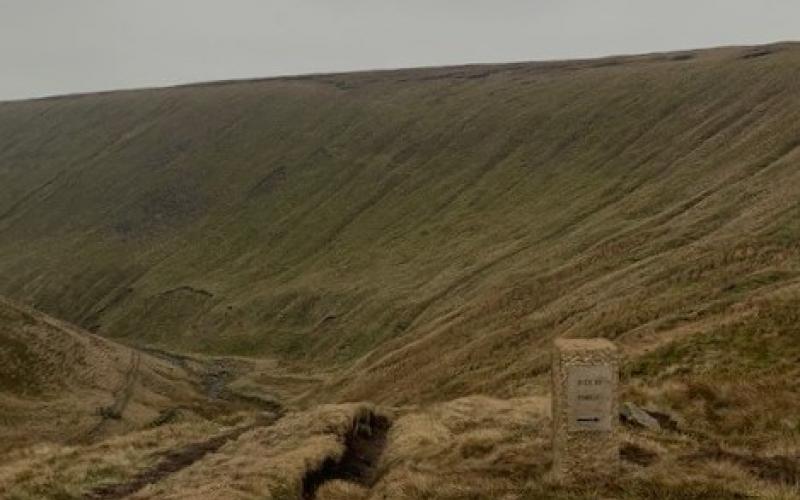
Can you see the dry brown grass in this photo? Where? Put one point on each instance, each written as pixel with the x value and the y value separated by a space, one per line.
pixel 475 447
pixel 269 462
pixel 470 448
pixel 59 471
pixel 342 490
pixel 481 447
pixel 61 384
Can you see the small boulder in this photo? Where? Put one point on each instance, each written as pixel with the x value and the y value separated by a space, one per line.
pixel 632 414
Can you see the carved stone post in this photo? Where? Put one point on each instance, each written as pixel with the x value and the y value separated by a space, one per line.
pixel 584 402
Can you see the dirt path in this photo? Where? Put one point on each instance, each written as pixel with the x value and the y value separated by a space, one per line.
pixel 215 380
pixel 213 377
pixel 121 398
pixel 173 461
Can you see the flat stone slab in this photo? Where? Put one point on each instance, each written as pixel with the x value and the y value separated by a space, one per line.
pixel 590 397
pixel 632 413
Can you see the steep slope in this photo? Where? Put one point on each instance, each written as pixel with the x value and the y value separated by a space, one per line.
pixel 424 232
pixel 408 237
pixel 60 384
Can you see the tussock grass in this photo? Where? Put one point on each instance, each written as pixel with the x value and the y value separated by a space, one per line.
pixel 475 447
pixel 268 462
pixel 59 471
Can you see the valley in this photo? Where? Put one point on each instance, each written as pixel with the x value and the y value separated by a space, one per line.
pixel 346 286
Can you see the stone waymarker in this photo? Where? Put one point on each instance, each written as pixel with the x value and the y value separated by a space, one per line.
pixel 585 376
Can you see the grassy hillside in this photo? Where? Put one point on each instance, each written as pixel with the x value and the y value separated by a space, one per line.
pixel 415 238
pixel 441 223
pixel 78 411
pixel 59 384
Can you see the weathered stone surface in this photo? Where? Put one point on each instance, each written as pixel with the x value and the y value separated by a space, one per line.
pixel 584 401
pixel 589 397
pixel 631 413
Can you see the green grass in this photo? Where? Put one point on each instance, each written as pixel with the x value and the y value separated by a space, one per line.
pixel 765 342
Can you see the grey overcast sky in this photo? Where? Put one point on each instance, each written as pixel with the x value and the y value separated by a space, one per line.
pixel 64 46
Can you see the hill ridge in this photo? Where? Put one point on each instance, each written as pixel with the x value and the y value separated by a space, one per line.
pixel 333 223
pixel 379 71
